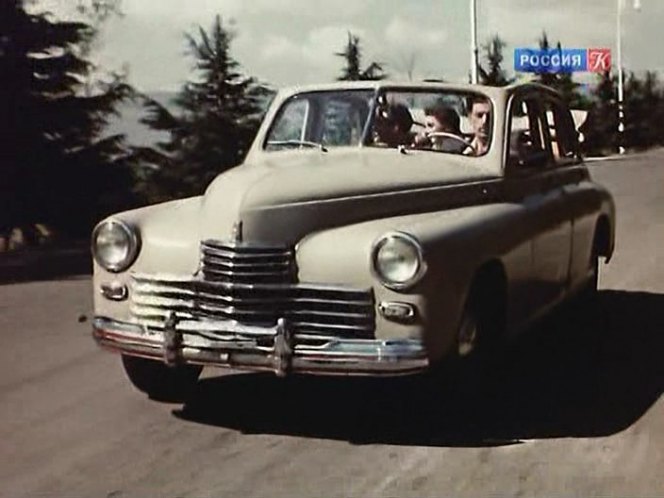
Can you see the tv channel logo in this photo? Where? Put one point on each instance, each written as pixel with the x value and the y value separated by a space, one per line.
pixel 567 60
pixel 599 60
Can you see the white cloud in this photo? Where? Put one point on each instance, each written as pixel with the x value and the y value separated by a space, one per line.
pixel 312 59
pixel 286 42
pixel 400 32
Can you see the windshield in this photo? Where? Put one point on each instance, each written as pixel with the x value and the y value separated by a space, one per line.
pixel 442 121
pixel 321 119
pixel 447 121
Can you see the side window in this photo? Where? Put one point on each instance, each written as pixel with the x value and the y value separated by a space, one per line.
pixel 528 139
pixel 342 123
pixel 564 139
pixel 290 125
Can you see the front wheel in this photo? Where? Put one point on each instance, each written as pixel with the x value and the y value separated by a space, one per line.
pixel 159 381
pixel 588 295
pixel 478 337
pixel 482 324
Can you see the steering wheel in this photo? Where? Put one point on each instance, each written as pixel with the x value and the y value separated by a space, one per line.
pixel 445 134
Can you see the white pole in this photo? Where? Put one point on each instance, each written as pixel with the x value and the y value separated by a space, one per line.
pixel 473 42
pixel 621 90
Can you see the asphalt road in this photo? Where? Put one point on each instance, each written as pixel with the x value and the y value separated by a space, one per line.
pixel 575 409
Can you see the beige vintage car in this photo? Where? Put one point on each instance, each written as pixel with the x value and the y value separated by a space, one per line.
pixel 374 228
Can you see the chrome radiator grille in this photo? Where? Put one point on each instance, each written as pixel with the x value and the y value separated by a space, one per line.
pixel 316 311
pixel 244 263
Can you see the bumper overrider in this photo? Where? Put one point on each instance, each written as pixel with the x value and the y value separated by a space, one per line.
pixel 226 343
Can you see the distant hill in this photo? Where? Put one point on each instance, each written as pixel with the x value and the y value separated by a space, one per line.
pixel 136 133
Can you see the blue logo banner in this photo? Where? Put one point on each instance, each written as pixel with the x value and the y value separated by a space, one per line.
pixel 553 60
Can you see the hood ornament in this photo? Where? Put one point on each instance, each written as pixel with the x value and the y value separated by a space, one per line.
pixel 236 232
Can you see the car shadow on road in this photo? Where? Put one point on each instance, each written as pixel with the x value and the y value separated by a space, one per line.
pixel 575 375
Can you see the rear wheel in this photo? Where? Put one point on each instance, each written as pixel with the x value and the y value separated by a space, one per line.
pixel 159 381
pixel 588 295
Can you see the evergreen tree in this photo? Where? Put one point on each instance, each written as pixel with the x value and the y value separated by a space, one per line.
pixel 600 127
pixel 562 82
pixel 352 55
pixel 57 167
pixel 219 114
pixel 644 111
pixel 495 75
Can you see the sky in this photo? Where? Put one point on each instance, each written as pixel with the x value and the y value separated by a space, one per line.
pixel 288 42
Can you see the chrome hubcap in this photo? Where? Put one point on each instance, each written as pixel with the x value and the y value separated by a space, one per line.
pixel 467 338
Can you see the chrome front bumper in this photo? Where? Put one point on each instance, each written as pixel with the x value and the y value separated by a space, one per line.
pixel 234 345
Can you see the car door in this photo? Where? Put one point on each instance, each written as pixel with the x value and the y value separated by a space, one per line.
pixel 573 177
pixel 532 173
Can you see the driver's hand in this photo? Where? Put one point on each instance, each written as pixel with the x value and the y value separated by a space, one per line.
pixel 421 139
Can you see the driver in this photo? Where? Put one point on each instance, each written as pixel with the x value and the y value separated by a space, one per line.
pixel 392 126
pixel 480 122
pixel 441 119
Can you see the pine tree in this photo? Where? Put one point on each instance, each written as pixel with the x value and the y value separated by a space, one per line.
pixel 600 127
pixel 562 82
pixel 57 167
pixel 644 111
pixel 219 114
pixel 352 55
pixel 495 75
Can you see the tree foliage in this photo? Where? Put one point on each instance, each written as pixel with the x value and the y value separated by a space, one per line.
pixel 562 82
pixel 57 166
pixel 600 128
pixel 644 111
pixel 494 74
pixel 352 56
pixel 219 113
pixel 643 114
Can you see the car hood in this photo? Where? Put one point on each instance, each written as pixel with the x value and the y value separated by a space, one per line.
pixel 289 194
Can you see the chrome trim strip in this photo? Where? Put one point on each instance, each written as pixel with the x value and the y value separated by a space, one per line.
pixel 216 261
pixel 234 345
pixel 233 255
pixel 335 326
pixel 318 309
pixel 202 295
pixel 169 279
pixel 248 274
pixel 213 243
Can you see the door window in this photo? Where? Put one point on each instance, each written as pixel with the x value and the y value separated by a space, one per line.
pixel 564 139
pixel 528 139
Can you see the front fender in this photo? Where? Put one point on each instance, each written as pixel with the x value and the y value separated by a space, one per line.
pixel 456 244
pixel 170 237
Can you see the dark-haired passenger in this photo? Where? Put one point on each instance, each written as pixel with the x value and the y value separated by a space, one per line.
pixel 441 119
pixel 392 126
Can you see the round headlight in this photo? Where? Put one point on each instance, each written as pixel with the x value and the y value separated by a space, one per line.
pixel 114 245
pixel 398 261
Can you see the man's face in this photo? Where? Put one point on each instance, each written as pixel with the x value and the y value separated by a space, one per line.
pixel 480 116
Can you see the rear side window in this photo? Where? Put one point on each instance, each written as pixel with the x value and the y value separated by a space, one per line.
pixel 564 138
pixel 528 140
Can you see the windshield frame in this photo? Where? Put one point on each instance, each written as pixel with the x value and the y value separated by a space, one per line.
pixel 377 92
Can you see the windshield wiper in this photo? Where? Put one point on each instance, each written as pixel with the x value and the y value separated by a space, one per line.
pixel 296 143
